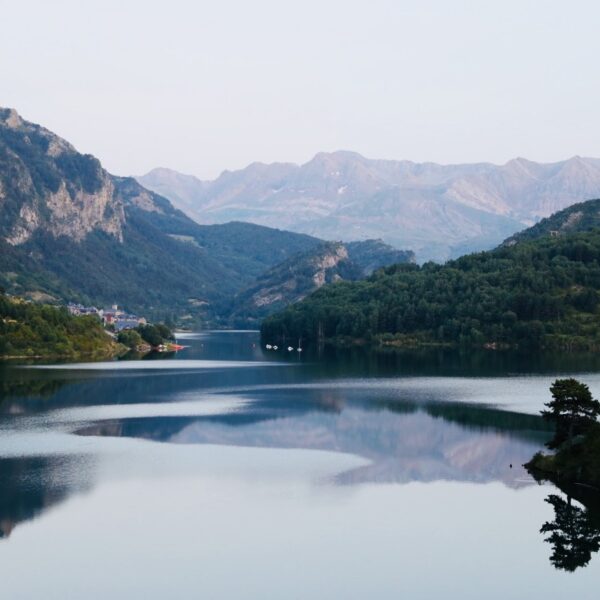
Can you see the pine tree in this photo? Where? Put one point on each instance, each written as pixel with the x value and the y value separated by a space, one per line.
pixel 572 410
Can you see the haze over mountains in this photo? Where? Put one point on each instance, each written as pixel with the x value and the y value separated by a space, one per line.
pixel 439 211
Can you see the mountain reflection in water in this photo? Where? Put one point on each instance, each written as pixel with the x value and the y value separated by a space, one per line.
pixel 403 441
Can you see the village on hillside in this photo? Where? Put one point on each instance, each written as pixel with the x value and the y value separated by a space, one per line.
pixel 111 317
pixel 130 330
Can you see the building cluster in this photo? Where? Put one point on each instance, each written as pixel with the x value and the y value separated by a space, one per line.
pixel 112 316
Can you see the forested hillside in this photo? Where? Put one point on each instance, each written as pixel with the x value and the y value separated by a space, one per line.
pixel 534 293
pixel 582 216
pixel 28 330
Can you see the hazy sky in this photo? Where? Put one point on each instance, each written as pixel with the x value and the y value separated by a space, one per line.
pixel 206 86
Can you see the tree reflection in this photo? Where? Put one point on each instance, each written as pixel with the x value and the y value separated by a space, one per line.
pixel 573 534
pixel 31 485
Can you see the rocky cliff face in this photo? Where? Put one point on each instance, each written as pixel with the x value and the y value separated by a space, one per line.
pixel 297 277
pixel 327 261
pixel 47 186
pixel 73 213
pixel 436 210
pixel 306 272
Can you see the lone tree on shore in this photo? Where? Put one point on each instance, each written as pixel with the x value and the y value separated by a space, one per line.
pixel 572 410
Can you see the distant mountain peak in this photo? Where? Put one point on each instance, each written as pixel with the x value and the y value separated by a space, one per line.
pixel 166 171
pixel 521 162
pixel 338 155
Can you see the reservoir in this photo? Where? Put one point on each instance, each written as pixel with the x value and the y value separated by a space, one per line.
pixel 232 471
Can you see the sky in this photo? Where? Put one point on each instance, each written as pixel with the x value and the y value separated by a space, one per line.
pixel 205 86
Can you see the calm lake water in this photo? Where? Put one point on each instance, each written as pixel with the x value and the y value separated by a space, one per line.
pixel 232 472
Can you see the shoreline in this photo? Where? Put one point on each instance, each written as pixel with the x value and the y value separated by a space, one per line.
pixel 424 344
pixel 120 351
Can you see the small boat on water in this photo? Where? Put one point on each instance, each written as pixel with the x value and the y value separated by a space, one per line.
pixel 289 348
pixel 170 347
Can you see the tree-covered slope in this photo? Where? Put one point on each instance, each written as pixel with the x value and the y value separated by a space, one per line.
pixel 28 330
pixel 537 293
pixel 582 216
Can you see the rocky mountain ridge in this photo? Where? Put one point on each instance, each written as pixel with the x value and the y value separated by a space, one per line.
pixel 439 211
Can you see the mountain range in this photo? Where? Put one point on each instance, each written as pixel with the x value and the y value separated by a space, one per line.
pixel 438 211
pixel 69 230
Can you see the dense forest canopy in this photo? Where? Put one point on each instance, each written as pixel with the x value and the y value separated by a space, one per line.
pixel 532 293
pixel 28 329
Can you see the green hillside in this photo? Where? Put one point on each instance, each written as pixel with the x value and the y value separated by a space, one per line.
pixel 31 330
pixel 534 293
pixel 582 216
